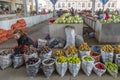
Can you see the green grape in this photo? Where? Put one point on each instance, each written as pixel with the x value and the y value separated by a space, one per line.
pixel 74 60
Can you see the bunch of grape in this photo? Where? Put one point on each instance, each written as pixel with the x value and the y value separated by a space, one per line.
pixel 74 60
pixel 30 50
pixel 59 53
pixel 71 50
pixel 32 61
pixel 107 48
pixel 62 59
pixel 44 50
pixel 117 50
pixel 84 47
pixel 88 58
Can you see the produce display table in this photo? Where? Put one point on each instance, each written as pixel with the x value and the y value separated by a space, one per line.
pixel 91 22
pixel 107 33
pixel 58 30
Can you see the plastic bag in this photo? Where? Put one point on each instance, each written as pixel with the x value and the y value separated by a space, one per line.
pixel 117 59
pixel 56 43
pixel 46 55
pixel 107 57
pixel 42 42
pixel 99 72
pixel 61 68
pixel 71 55
pixel 84 53
pixel 96 49
pixel 70 37
pixel 87 66
pixel 18 60
pixel 78 40
pixel 30 56
pixel 48 69
pixel 74 69
pixel 32 70
pixel 5 61
pixel 113 73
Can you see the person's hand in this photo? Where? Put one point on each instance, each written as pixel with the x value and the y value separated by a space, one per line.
pixel 13 51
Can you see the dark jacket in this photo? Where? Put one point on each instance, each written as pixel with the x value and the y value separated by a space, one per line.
pixel 24 40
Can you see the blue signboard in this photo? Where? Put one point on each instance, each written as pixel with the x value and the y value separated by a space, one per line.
pixel 53 1
pixel 104 1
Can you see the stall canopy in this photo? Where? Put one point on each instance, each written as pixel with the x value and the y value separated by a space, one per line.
pixel 104 1
pixel 53 2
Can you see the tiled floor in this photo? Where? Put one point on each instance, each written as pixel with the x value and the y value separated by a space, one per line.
pixel 40 31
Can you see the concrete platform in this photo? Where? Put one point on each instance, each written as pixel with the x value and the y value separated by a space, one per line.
pixel 58 30
pixel 20 74
pixel 107 33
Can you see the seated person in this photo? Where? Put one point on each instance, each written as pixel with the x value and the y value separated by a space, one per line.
pixel 23 42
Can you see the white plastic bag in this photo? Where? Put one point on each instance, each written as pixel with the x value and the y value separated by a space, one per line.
pixel 48 69
pixel 70 37
pixel 33 69
pixel 117 59
pixel 107 57
pixel 61 68
pixel 35 55
pixel 46 55
pixel 87 66
pixel 74 69
pixel 84 53
pixel 42 42
pixel 99 72
pixel 5 61
pixel 18 60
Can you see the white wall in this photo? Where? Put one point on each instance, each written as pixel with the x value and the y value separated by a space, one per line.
pixel 118 4
pixel 6 24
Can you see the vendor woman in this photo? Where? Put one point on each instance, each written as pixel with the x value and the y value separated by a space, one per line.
pixel 23 42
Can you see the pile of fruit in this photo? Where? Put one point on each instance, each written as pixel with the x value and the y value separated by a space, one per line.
pixel 43 50
pixel 62 59
pixel 117 50
pixel 111 66
pixel 32 61
pixel 107 48
pixel 59 53
pixel 88 58
pixel 100 66
pixel 113 19
pixel 71 50
pixel 74 60
pixel 67 19
pixel 84 47
pixel 4 52
pixel 30 50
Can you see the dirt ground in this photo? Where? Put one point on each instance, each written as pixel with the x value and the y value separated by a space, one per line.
pixel 41 31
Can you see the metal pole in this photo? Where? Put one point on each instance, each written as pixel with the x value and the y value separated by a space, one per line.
pixel 25 7
pixel 93 7
pixel 103 7
pixel 53 11
pixel 36 2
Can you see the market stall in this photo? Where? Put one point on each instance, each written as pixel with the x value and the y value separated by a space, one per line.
pixel 57 28
pixel 90 21
pixel 107 33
